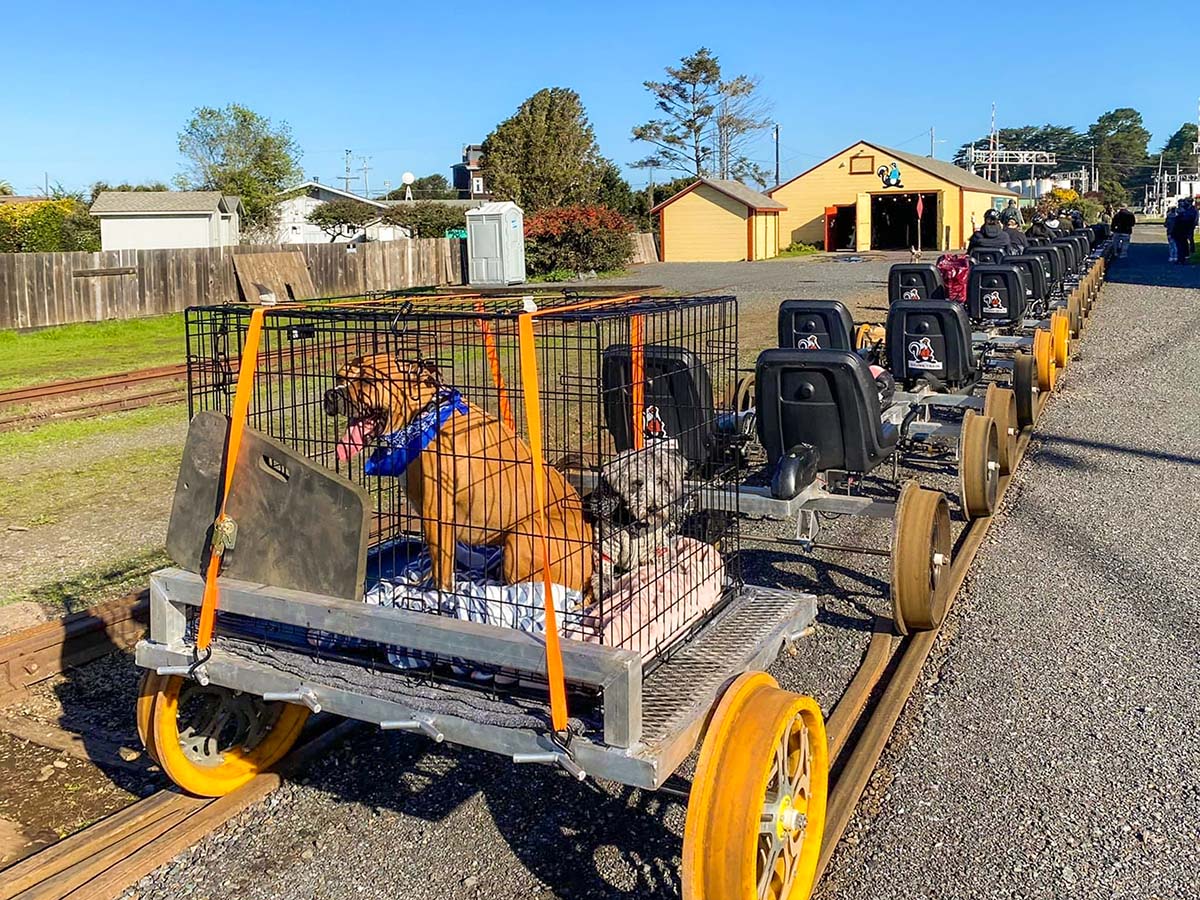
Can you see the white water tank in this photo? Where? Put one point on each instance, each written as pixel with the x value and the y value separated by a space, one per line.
pixel 496 244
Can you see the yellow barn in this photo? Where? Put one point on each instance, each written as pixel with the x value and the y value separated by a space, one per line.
pixel 717 220
pixel 866 198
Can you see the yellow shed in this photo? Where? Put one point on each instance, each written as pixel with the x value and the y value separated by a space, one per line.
pixel 866 198
pixel 717 220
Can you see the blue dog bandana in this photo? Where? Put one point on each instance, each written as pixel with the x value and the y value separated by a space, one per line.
pixel 403 446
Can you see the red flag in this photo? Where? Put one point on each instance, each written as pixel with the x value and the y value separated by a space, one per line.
pixel 920 206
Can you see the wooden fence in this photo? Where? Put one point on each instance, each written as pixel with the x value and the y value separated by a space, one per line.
pixel 41 289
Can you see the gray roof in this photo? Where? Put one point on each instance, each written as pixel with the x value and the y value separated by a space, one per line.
pixel 463 204
pixel 947 171
pixel 733 189
pixel 160 202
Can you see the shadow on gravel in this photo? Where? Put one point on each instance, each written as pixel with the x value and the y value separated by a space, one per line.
pixel 1147 264
pixel 827 579
pixel 1062 460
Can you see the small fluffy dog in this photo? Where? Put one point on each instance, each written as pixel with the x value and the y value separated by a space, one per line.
pixel 633 506
pixel 472 482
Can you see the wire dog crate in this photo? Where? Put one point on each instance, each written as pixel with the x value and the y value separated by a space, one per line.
pixel 438 406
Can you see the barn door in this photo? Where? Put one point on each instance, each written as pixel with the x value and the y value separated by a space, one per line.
pixel 862 223
pixel 943 239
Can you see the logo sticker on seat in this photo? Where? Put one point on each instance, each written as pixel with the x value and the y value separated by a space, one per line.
pixel 922 355
pixel 652 424
pixel 993 300
pixel 911 294
pixel 808 343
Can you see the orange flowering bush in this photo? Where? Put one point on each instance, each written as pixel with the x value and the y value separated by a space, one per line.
pixel 577 239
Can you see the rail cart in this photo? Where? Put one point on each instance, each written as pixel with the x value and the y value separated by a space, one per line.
pixel 307 576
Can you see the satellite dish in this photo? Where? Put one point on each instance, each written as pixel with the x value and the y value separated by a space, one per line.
pixel 408 177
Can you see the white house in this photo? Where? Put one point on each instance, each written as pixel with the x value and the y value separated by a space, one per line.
pixel 153 220
pixel 298 202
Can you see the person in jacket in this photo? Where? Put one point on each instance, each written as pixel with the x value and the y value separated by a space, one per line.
pixel 1015 236
pixel 992 234
pixel 1184 230
pixel 1039 228
pixel 1011 212
pixel 1169 224
pixel 1122 225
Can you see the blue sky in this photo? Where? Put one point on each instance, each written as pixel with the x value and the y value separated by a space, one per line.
pixel 98 91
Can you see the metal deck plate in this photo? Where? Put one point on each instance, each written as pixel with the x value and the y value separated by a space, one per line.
pixel 747 635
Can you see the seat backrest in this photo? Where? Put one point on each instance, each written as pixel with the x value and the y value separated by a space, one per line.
pixel 815 325
pixel 1071 249
pixel 1088 235
pixel 824 398
pixel 1033 267
pixel 915 281
pixel 1101 231
pixel 930 338
pixel 989 256
pixel 996 294
pixel 677 399
pixel 1053 258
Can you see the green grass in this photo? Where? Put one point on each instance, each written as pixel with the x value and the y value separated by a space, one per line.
pixel 95 585
pixel 54 434
pixel 797 250
pixel 95 348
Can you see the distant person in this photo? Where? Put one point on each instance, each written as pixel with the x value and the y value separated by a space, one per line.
pixel 1122 225
pixel 1106 216
pixel 1184 230
pixel 1015 236
pixel 1039 229
pixel 1077 219
pixel 991 235
pixel 1012 212
pixel 1169 224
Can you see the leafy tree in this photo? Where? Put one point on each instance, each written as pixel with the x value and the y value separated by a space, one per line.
pixel 576 239
pixel 429 187
pixel 707 123
pixel 1070 146
pixel 47 226
pixel 99 186
pixel 1120 141
pixel 545 154
pixel 338 217
pixel 1113 193
pixel 427 218
pixel 5 189
pixel 1178 149
pixel 237 151
pixel 615 192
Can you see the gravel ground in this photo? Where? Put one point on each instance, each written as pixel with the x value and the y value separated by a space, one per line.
pixel 1054 750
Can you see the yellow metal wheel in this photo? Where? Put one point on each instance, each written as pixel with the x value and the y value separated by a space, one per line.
pixel 921 550
pixel 1001 405
pixel 756 814
pixel 148 687
pixel 978 465
pixel 1043 357
pixel 1060 332
pixel 1075 316
pixel 1025 387
pixel 211 740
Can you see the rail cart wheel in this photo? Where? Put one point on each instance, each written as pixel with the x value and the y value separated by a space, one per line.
pixel 978 465
pixel 1043 355
pixel 920 558
pixel 1025 388
pixel 1001 405
pixel 756 814
pixel 1060 332
pixel 149 686
pixel 1075 316
pixel 743 394
pixel 211 740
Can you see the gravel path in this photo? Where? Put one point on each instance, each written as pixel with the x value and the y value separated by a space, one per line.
pixel 1055 750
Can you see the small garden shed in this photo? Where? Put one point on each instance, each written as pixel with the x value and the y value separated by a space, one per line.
pixel 717 220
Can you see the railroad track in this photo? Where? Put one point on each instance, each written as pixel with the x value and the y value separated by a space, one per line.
pixel 83 387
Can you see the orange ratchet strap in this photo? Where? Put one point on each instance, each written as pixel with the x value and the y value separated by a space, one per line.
pixel 237 424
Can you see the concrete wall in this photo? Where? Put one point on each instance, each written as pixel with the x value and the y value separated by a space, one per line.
pixel 704 226
pixel 160 232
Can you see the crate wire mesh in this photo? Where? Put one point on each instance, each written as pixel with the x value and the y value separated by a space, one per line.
pixel 631 390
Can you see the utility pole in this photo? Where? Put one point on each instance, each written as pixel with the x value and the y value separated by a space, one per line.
pixel 347 178
pixel 994 144
pixel 365 169
pixel 932 144
pixel 1091 185
pixel 777 178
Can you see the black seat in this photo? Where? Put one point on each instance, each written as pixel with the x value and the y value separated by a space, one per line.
pixel 1053 258
pixel 825 399
pixel 915 281
pixel 677 399
pixel 930 340
pixel 1071 248
pixel 996 294
pixel 1033 268
pixel 1101 231
pixel 988 256
pixel 1088 235
pixel 815 325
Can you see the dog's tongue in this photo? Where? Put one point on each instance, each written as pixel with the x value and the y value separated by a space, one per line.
pixel 353 442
